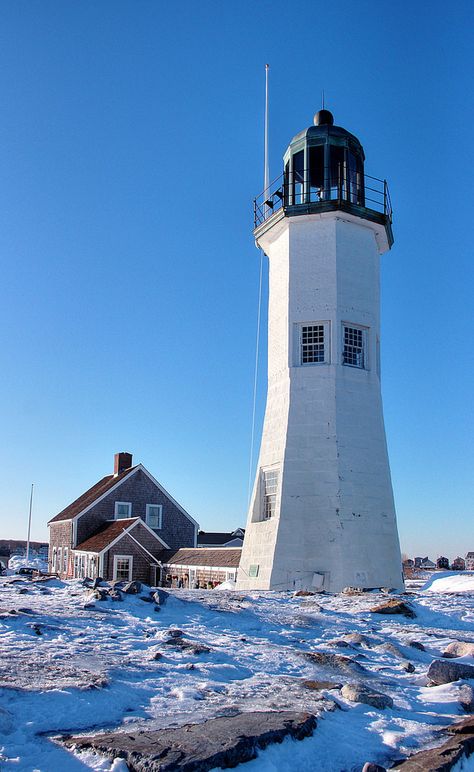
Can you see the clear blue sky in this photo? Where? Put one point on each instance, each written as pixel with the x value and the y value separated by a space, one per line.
pixel 131 137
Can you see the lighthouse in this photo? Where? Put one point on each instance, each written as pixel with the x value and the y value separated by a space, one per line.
pixel 322 514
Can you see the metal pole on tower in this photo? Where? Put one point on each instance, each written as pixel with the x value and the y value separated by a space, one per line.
pixel 29 527
pixel 266 173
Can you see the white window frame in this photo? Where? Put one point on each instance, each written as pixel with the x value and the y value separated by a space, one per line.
pixel 126 504
pixel 365 345
pixel 160 516
pixel 264 495
pixel 54 557
pixel 298 343
pixel 130 569
pixel 65 560
pixel 59 560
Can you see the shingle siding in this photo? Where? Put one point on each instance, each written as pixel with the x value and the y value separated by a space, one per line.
pixel 177 530
pixel 60 535
pixel 127 546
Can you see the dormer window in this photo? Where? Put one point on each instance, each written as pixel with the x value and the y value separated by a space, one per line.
pixel 123 510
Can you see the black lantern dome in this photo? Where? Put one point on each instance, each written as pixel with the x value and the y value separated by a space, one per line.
pixel 324 163
pixel 323 172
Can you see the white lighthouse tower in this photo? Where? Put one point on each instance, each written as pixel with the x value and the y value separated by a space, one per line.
pixel 322 514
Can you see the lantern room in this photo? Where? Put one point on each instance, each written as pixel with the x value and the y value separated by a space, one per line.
pixel 324 163
pixel 323 171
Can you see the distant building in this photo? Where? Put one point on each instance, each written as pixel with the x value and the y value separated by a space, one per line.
pixel 13 547
pixel 408 563
pixel 470 561
pixel 442 563
pixel 221 539
pixel 427 564
pixel 419 561
pixel 118 528
pixel 458 564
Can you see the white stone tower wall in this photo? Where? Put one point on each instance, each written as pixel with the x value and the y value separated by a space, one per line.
pixel 323 424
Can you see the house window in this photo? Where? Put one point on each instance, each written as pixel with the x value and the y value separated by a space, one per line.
pixel 65 559
pixel 59 560
pixel 154 513
pixel 123 509
pixel 53 559
pixel 354 346
pixel 270 486
pixel 123 567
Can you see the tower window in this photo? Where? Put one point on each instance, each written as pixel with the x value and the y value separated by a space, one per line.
pixel 354 351
pixel 311 343
pixel 270 486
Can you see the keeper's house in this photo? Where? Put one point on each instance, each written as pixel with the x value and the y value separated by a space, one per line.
pixel 118 528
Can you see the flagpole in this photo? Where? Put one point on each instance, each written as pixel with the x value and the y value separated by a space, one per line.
pixel 266 173
pixel 29 528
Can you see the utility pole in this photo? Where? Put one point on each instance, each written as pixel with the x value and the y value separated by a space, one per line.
pixel 29 527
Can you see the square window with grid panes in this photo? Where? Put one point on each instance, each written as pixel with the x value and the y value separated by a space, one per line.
pixel 270 486
pixel 353 353
pixel 122 568
pixel 312 343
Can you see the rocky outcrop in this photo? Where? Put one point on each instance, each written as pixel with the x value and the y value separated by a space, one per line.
pixel 334 662
pixel 358 692
pixel 444 758
pixel 220 742
pixel 444 671
pixel 459 649
pixel 394 607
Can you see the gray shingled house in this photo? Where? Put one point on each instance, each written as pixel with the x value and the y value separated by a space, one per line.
pixel 118 528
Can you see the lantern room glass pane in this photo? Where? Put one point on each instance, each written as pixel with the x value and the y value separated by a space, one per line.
pixel 298 177
pixel 316 173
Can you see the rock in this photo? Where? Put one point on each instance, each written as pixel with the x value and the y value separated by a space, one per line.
pixel 24 610
pixel 459 649
pixel 115 594
pixel 22 590
pixel 416 645
pixel 303 593
pixel 217 743
pixel 156 655
pixel 390 648
pixel 394 606
pixel 97 582
pixel 370 767
pixel 188 646
pixel 408 666
pixel 132 588
pixel 353 591
pixel 156 608
pixel 357 639
pixel 339 643
pixel 319 685
pixel 466 698
pixel 146 598
pixel 358 692
pixel 451 754
pixel 87 582
pixel 444 671
pixel 160 597
pixel 100 594
pixel 88 606
pixel 173 632
pixel 334 661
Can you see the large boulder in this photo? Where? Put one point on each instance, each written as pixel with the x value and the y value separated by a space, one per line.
pixel 394 606
pixel 459 649
pixel 358 692
pixel 444 671
pixel 217 743
pixel 132 588
pixel 335 662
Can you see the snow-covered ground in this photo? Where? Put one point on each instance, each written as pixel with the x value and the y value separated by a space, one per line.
pixel 68 669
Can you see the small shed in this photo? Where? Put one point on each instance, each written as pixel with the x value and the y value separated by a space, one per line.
pixel 199 567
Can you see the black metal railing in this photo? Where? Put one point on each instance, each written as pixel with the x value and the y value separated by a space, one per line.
pixel 296 190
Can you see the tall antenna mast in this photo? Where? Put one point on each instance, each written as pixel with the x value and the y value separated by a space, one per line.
pixel 29 529
pixel 266 173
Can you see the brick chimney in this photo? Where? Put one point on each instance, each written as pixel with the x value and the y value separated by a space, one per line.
pixel 122 461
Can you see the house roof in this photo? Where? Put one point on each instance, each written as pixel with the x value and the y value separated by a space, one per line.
pixel 218 537
pixel 225 557
pixel 90 496
pixel 106 534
